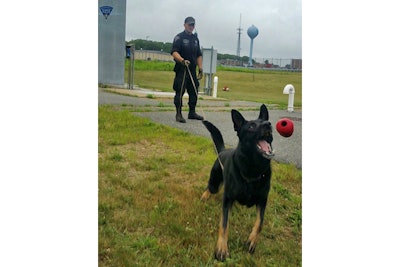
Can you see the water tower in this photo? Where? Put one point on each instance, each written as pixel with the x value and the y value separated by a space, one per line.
pixel 252 32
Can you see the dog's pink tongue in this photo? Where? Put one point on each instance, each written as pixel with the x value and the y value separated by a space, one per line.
pixel 264 146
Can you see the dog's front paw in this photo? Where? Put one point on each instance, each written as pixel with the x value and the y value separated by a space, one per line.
pixel 251 245
pixel 221 253
pixel 206 195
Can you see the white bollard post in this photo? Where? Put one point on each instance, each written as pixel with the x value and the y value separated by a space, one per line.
pixel 215 86
pixel 289 90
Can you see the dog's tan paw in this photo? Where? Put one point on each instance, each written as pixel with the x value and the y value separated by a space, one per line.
pixel 252 246
pixel 206 195
pixel 221 252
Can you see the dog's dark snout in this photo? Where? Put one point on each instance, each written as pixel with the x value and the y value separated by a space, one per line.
pixel 266 125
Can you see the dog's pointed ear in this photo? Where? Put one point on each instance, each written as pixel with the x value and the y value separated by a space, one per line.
pixel 264 115
pixel 237 119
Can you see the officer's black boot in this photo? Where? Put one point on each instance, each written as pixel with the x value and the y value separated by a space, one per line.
pixel 193 115
pixel 178 116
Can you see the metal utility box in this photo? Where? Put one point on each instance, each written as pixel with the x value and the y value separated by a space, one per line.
pixel 209 67
pixel 209 60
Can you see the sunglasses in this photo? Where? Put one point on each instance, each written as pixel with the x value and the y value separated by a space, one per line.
pixel 191 24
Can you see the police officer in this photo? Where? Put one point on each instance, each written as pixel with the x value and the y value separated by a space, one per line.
pixel 187 55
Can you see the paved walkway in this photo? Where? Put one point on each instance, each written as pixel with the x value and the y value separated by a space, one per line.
pixel 159 108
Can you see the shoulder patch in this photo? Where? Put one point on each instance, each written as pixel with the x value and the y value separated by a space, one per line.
pixel 176 38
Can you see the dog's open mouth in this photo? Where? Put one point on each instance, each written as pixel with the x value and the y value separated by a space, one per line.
pixel 265 148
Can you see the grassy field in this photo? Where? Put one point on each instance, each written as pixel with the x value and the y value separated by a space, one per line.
pixel 264 86
pixel 151 178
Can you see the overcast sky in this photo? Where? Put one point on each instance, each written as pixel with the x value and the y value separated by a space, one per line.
pixel 279 24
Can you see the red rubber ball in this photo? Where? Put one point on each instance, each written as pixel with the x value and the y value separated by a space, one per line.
pixel 285 127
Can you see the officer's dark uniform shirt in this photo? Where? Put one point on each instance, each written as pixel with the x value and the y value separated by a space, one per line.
pixel 188 46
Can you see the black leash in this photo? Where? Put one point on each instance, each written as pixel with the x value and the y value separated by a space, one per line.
pixel 194 87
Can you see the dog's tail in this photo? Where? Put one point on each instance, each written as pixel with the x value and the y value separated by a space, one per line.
pixel 215 135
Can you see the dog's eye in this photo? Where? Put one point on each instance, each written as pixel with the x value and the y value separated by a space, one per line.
pixel 252 126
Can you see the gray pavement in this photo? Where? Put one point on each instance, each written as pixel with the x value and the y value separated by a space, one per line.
pixel 160 109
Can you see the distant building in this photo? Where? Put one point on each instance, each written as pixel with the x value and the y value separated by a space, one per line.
pixel 297 64
pixel 153 55
pixel 230 62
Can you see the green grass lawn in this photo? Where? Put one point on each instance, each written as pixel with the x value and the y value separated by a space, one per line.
pixel 264 86
pixel 151 178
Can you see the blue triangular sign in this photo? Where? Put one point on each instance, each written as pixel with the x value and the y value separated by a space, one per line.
pixel 106 10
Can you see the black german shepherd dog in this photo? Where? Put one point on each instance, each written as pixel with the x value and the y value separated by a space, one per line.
pixel 245 173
